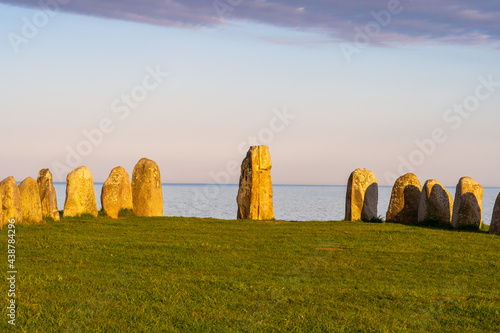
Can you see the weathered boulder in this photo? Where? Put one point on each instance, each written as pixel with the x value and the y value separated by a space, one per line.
pixel 255 193
pixel 147 196
pixel 48 195
pixel 31 206
pixel 80 194
pixel 495 218
pixel 468 207
pixel 405 199
pixel 11 200
pixel 436 203
pixel 116 192
pixel 362 196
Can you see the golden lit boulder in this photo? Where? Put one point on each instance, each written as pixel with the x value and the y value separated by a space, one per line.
pixel 116 192
pixel 436 203
pixel 80 194
pixel 495 218
pixel 11 200
pixel 147 196
pixel 31 206
pixel 362 196
pixel 255 193
pixel 48 195
pixel 468 207
pixel 405 198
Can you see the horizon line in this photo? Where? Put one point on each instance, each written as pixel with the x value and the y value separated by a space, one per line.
pixel 233 184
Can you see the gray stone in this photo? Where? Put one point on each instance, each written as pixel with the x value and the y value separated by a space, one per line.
pixel 31 206
pixel 405 199
pixel 468 207
pixel 48 195
pixel 116 192
pixel 255 193
pixel 147 195
pixel 11 201
pixel 436 203
pixel 361 196
pixel 80 194
pixel 495 218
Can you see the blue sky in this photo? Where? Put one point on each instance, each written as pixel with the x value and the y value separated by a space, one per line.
pixel 264 72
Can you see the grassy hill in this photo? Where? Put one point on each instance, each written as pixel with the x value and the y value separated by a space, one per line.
pixel 204 275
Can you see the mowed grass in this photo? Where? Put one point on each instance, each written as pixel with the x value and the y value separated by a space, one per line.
pixel 204 275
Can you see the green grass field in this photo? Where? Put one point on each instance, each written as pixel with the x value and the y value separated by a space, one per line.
pixel 205 275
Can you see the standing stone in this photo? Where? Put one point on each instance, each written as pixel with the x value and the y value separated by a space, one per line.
pixel 255 193
pixel 436 203
pixel 31 206
pixel 495 218
pixel 11 200
pixel 48 195
pixel 80 195
pixel 116 192
pixel 405 199
pixel 147 196
pixel 468 208
pixel 362 196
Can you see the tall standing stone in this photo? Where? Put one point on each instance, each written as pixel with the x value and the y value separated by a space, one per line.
pixel 80 194
pixel 436 203
pixel 147 196
pixel 116 192
pixel 255 193
pixel 362 196
pixel 11 200
pixel 468 208
pixel 405 199
pixel 48 195
pixel 31 206
pixel 495 218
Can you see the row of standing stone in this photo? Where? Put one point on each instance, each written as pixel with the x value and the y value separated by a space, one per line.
pixel 410 203
pixel 32 200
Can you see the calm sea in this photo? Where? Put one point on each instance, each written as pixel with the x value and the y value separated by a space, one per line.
pixel 291 202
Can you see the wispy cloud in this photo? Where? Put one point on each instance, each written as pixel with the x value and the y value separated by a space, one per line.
pixel 422 21
pixel 295 41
